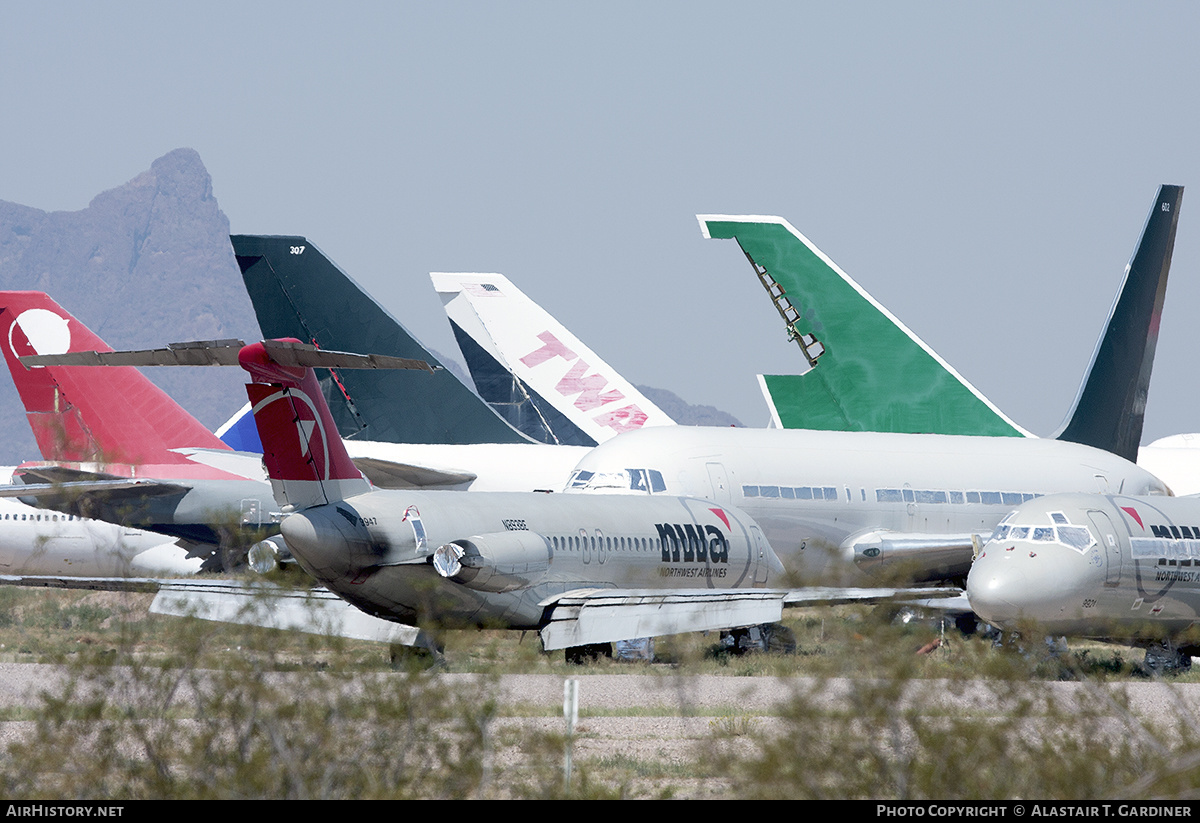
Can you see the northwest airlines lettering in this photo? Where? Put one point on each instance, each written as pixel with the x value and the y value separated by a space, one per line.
pixel 590 388
pixel 691 543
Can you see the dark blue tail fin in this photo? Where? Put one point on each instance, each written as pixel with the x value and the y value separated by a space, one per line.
pixel 1110 408
pixel 298 292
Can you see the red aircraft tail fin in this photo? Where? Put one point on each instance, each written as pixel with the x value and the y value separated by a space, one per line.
pixel 304 454
pixel 82 414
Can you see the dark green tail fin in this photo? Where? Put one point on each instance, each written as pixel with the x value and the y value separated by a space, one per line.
pixel 298 292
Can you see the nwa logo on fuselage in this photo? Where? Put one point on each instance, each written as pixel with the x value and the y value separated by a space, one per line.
pixel 1176 532
pixel 692 543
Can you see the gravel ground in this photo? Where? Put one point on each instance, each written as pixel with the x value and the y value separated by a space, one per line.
pixel 668 719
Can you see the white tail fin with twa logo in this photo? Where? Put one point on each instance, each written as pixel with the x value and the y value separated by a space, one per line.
pixel 533 371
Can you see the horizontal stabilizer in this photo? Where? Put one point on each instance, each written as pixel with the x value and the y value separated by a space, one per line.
pixel 861 369
pixel 287 353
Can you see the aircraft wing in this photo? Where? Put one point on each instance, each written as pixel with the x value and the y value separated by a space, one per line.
pixel 109 488
pixel 588 616
pixel 313 611
pixel 389 474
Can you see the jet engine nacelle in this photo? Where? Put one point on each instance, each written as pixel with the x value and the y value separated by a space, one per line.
pixel 498 562
pixel 920 556
pixel 267 555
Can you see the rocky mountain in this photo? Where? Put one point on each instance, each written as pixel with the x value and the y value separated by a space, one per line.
pixel 685 413
pixel 144 264
pixel 150 263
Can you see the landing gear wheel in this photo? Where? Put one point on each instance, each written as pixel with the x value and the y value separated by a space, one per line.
pixel 1165 658
pixel 583 655
pixel 425 651
pixel 780 639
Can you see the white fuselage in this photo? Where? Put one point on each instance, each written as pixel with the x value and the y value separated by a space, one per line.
pixel 491 466
pixel 819 494
pixel 42 542
pixel 1176 461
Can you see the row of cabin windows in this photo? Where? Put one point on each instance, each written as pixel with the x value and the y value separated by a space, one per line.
pixel 792 492
pixel 939 496
pixel 890 495
pixel 591 542
pixel 53 518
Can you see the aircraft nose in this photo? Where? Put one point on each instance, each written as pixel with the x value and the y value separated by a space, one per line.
pixel 1014 581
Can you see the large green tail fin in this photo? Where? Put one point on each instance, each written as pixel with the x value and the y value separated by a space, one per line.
pixel 863 370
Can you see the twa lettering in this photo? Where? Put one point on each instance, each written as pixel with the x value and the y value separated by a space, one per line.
pixel 691 543
pixel 624 419
pixel 553 347
pixel 590 388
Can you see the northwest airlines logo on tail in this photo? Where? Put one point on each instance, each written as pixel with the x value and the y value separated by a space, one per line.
pixel 302 450
pixel 590 388
pixel 59 428
pixel 299 449
pixel 42 332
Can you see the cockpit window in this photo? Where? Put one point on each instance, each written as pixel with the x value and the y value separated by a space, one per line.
pixel 609 480
pixel 1077 537
pixel 640 481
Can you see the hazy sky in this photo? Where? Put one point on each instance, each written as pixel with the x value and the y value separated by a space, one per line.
pixel 984 170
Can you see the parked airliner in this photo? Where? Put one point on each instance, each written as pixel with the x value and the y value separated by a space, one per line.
pixel 1113 567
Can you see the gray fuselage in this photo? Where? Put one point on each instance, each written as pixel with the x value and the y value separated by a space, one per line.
pixel 515 550
pixel 1102 566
